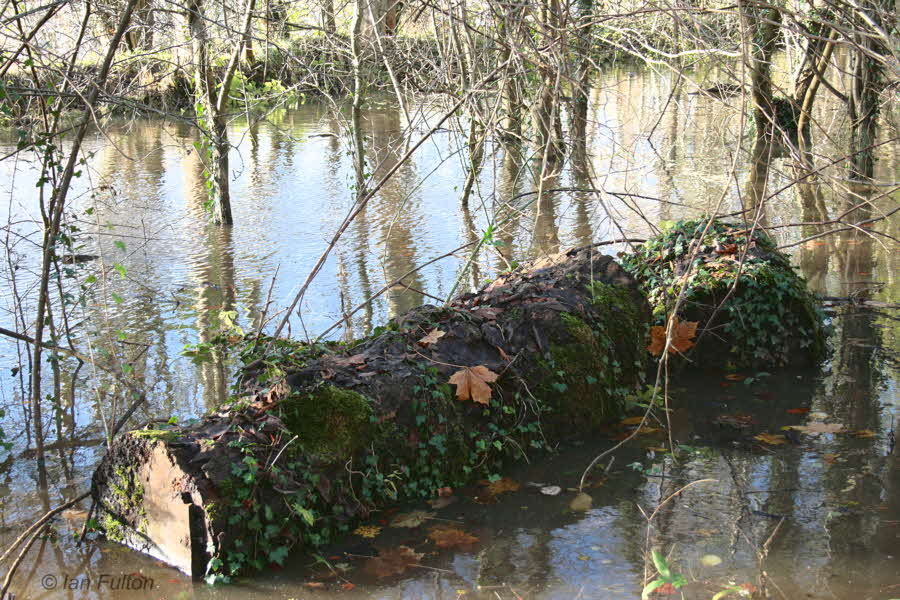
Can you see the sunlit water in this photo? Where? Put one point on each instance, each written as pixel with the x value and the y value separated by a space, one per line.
pixel 839 494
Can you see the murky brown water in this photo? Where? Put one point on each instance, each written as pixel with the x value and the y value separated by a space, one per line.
pixel 839 494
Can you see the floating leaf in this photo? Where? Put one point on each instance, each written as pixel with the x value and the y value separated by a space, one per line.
pixel 817 428
pixel 367 531
pixel 472 383
pixel 395 561
pixel 710 560
pixel 451 537
pixel 551 490
pixel 797 411
pixel 771 439
pixel 581 502
pixel 683 332
pixel 735 377
pixel 863 433
pixel 411 519
pixel 433 336
pixel 631 421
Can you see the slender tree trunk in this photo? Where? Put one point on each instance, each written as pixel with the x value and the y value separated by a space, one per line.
pixel 866 84
pixel 582 84
pixel 760 32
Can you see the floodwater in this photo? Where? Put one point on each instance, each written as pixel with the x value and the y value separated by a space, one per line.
pixel 828 504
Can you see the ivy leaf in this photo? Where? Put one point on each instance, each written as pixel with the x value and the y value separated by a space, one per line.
pixel 120 245
pixel 472 383
pixel 683 332
pixel 278 555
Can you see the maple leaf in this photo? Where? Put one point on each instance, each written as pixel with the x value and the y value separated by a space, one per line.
pixel 472 383
pixel 433 336
pixel 392 562
pixel 451 537
pixel 682 334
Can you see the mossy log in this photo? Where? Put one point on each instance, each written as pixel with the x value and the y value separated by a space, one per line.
pixel 753 310
pixel 352 427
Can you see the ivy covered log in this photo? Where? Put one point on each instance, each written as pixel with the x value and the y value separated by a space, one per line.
pixel 330 433
pixel 751 308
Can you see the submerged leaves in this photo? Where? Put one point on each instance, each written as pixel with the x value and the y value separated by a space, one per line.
pixel 395 561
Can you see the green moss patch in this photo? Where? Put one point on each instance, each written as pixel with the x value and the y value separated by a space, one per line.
pixel 330 422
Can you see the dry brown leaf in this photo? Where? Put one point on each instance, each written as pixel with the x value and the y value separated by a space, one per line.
pixel 451 537
pixel 771 439
pixel 432 337
pixel 392 562
pixel 472 383
pixel 864 433
pixel 683 332
pixel 631 421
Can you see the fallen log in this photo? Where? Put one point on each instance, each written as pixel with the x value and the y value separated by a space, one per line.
pixel 440 396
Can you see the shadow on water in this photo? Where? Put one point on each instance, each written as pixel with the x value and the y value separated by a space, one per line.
pixel 832 500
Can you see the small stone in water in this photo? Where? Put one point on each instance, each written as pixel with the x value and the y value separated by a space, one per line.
pixel 551 490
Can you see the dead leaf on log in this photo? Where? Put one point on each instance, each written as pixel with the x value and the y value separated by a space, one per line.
pixel 395 561
pixel 683 332
pixel 451 537
pixel 345 361
pixel 433 336
pixel 472 383
pixel 487 312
